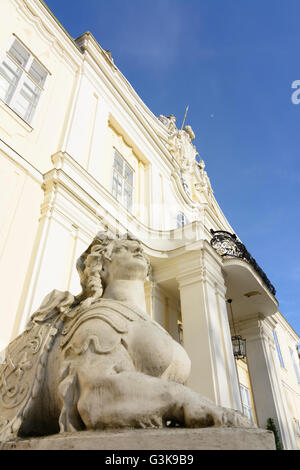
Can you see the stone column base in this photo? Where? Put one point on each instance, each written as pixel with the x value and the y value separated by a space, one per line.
pixel 220 438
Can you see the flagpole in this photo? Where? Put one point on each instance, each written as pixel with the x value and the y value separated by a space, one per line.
pixel 184 117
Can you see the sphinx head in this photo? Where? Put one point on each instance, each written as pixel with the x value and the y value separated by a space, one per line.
pixel 107 259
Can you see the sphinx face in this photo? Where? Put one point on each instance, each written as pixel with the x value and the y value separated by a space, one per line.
pixel 127 262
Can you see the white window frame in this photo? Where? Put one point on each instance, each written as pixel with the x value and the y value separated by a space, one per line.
pixel 184 219
pixel 180 332
pixel 24 74
pixel 123 179
pixel 246 404
pixel 295 365
pixel 278 349
pixel 297 426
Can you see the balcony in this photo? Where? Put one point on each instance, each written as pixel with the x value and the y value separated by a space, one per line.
pixel 227 244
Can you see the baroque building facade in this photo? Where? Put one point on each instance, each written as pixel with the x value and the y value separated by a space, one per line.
pixel 80 153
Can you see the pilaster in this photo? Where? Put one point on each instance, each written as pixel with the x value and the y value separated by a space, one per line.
pixel 156 303
pixel 66 227
pixel 206 330
pixel 268 394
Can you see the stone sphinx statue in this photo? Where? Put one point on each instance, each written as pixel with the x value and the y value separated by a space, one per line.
pixel 97 360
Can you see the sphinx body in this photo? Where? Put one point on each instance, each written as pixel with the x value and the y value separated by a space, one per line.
pixel 101 362
pixel 99 370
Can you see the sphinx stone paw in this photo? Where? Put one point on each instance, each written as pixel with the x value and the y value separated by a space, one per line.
pixel 235 418
pixel 209 415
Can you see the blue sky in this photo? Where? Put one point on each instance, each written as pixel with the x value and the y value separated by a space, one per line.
pixel 233 62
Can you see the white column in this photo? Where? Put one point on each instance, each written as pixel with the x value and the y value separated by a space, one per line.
pixel 156 303
pixel 206 333
pixel 268 394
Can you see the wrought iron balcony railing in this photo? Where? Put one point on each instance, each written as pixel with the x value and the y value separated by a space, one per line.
pixel 227 244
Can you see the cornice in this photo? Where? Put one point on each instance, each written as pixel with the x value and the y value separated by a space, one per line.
pixel 86 48
pixel 120 88
pixel 21 162
pixel 83 42
pixel 287 327
pixel 200 264
pixel 68 173
pixel 52 32
pixel 258 327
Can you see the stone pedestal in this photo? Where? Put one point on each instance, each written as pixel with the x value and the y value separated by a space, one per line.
pixel 148 439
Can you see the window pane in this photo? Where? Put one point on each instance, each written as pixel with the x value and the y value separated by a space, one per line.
pixel 128 174
pixel 19 88
pixel 30 91
pixel 278 349
pixel 9 77
pixel 127 196
pixel 243 394
pixel 296 367
pixel 10 71
pixel 117 186
pixel 22 106
pixel 297 426
pixel 38 73
pixel 249 414
pixel 122 181
pixel 247 397
pixel 19 53
pixel 180 220
pixel 4 88
pixel 26 101
pixel 118 163
pixel 246 403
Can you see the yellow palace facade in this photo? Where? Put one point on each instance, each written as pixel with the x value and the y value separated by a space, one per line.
pixel 80 152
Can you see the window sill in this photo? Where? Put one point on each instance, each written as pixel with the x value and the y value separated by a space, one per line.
pixel 15 116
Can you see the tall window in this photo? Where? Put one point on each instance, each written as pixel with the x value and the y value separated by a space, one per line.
pixel 122 185
pixel 22 79
pixel 296 366
pixel 246 402
pixel 181 219
pixel 278 349
pixel 180 331
pixel 297 426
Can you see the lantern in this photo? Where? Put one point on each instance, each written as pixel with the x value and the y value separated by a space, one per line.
pixel 238 343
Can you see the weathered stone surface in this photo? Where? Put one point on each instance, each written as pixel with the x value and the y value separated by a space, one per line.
pixel 222 438
pixel 98 361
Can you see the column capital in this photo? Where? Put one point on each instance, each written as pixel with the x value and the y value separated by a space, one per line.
pixel 152 287
pixel 206 331
pixel 200 265
pixel 258 327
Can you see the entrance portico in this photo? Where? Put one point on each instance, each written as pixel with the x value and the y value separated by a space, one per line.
pixel 200 281
pixel 192 276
